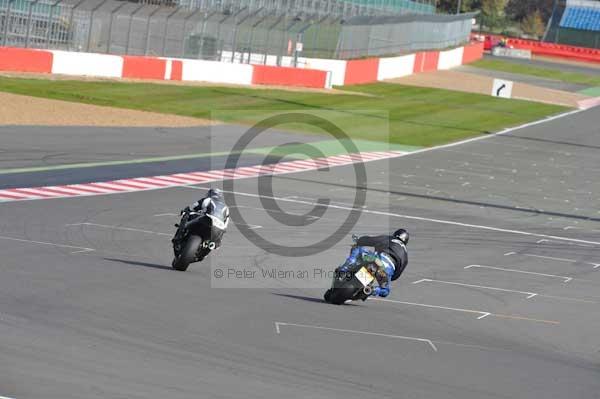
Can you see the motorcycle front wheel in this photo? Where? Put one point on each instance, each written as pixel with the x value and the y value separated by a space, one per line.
pixel 188 253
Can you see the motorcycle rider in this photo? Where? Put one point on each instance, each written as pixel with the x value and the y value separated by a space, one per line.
pixel 386 262
pixel 206 205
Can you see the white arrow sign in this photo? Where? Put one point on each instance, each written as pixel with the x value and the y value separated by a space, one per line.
pixel 502 88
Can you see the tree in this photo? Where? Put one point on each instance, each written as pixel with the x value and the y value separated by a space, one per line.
pixel 518 10
pixel 449 6
pixel 533 24
pixel 492 14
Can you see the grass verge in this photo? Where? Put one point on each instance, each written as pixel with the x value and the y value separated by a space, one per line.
pixel 592 92
pixel 567 77
pixel 386 112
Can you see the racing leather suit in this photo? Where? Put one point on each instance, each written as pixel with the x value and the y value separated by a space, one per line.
pixel 379 264
pixel 204 206
pixel 391 246
pixel 386 263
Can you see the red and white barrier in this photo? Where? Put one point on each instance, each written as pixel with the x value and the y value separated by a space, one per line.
pixel 144 68
pixel 286 76
pixel 87 64
pixel 361 71
pixel 451 58
pixel 396 67
pixel 156 68
pixel 557 50
pixel 216 72
pixel 315 73
pixel 472 52
pixel 547 49
pixel 427 61
pixel 336 67
pixel 25 60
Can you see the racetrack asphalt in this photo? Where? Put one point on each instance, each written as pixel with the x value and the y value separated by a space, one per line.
pixel 499 299
pixel 558 64
pixel 528 79
pixel 59 145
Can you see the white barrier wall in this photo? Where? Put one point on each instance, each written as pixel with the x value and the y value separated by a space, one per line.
pixel 451 58
pixel 336 67
pixel 396 67
pixel 87 64
pixel 217 72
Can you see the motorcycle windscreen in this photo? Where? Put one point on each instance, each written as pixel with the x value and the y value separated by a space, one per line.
pixel 220 216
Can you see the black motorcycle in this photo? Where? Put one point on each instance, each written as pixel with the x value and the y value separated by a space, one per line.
pixel 198 234
pixel 350 285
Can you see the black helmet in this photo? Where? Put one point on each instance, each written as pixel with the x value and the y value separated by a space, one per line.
pixel 214 193
pixel 401 235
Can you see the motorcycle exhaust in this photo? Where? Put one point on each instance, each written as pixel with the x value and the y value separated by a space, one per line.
pixel 367 290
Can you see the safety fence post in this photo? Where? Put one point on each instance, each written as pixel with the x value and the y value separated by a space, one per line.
pixel 49 23
pixel 110 26
pixel 28 35
pixel 185 21
pixel 130 27
pixel 147 47
pixel 89 38
pixel 7 22
pixel 164 41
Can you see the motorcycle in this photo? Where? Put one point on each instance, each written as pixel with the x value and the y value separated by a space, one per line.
pixel 350 285
pixel 197 235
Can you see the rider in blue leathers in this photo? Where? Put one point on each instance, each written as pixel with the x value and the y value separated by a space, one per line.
pixel 386 262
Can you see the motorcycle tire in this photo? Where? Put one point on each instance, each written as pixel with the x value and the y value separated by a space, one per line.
pixel 188 254
pixel 337 296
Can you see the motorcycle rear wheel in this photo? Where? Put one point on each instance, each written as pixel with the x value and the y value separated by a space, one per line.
pixel 337 296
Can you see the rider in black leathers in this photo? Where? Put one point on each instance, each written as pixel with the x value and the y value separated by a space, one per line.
pixel 386 262
pixel 213 199
pixel 394 245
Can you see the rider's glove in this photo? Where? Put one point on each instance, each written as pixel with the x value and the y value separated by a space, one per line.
pixel 382 292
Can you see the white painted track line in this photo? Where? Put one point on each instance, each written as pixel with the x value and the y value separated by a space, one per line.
pixel 278 325
pixel 401 216
pixel 482 314
pixel 79 249
pixel 429 280
pixel 596 265
pixel 579 245
pixel 565 278
pixel 505 131
pixel 528 294
pixel 124 228
pixel 550 257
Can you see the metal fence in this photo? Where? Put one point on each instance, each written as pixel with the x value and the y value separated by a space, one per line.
pixel 265 31
pixel 377 36
pixel 322 7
